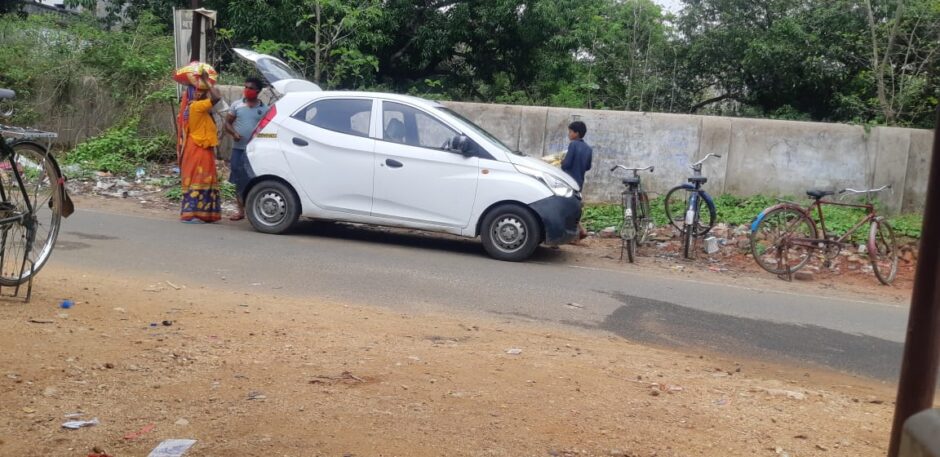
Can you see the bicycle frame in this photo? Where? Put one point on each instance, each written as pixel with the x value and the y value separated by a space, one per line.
pixel 7 154
pixel 635 209
pixel 814 243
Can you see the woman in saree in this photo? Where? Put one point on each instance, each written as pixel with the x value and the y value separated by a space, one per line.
pixel 197 140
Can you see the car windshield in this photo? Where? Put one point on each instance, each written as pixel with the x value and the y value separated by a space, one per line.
pixel 476 128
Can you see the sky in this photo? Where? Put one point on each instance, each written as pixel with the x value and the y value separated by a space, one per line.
pixel 671 5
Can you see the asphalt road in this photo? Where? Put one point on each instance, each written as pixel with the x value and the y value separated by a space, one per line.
pixel 416 273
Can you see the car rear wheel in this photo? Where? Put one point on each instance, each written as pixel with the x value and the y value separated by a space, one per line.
pixel 272 207
pixel 510 233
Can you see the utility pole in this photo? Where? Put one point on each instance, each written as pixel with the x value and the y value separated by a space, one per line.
pixel 922 346
pixel 197 31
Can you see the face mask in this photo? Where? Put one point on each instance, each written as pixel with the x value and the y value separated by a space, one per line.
pixel 251 94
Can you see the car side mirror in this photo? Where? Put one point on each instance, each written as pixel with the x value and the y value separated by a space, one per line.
pixel 460 144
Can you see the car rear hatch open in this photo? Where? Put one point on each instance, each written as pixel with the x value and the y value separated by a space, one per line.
pixel 278 74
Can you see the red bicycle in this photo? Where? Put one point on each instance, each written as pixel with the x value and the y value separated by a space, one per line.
pixel 784 236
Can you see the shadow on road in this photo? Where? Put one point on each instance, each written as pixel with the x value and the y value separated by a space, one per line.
pixel 667 324
pixel 407 238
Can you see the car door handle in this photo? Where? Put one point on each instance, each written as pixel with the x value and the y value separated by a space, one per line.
pixel 300 142
pixel 393 163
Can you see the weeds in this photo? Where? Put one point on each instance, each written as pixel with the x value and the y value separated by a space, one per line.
pixel 736 211
pixel 120 149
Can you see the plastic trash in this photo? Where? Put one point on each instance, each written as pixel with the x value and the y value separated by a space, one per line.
pixel 711 245
pixel 143 431
pixel 171 448
pixel 66 304
pixel 75 425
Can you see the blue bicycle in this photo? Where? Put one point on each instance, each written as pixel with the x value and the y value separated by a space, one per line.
pixel 684 205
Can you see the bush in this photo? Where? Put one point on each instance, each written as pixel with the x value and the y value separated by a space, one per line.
pixel 121 149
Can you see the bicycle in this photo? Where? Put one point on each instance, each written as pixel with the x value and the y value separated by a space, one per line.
pixel 635 204
pixel 783 236
pixel 33 200
pixel 690 198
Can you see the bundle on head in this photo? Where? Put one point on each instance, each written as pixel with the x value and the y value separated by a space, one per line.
pixel 197 74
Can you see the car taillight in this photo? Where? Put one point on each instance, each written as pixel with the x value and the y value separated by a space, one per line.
pixel 264 121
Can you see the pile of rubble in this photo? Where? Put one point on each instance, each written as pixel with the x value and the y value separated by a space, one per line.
pixel 145 186
pixel 731 250
pixel 152 186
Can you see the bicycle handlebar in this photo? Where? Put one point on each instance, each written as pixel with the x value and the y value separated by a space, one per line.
pixel 615 167
pixel 867 191
pixel 707 156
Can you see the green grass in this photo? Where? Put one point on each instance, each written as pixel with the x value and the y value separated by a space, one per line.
pixel 736 211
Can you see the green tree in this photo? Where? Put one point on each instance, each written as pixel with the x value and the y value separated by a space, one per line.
pixel 905 39
pixel 337 27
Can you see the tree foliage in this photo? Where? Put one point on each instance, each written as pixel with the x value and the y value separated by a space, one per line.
pixel 865 61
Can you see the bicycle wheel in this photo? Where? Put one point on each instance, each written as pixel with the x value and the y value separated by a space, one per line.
pixel 767 237
pixel 630 247
pixel 26 246
pixel 677 201
pixel 883 251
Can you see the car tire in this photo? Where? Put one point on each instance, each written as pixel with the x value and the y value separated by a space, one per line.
pixel 510 233
pixel 272 207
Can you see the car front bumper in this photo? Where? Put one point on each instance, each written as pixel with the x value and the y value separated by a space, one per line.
pixel 560 217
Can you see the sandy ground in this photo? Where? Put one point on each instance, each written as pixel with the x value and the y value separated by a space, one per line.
pixel 262 375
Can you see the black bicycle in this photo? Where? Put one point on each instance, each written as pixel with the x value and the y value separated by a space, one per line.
pixel 684 208
pixel 33 201
pixel 635 205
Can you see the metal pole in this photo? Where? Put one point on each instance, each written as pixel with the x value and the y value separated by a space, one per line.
pixel 196 39
pixel 922 347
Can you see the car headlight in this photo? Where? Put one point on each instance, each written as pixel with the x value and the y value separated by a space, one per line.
pixel 557 185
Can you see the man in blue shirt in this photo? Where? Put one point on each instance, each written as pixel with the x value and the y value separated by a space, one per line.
pixel 241 121
pixel 578 158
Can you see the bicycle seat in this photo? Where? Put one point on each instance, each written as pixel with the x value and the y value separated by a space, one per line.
pixel 6 93
pixel 817 194
pixel 633 180
pixel 698 179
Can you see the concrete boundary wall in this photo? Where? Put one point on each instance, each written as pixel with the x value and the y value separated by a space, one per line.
pixel 759 156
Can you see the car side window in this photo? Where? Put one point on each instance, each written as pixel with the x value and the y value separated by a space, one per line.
pixel 350 116
pixel 406 125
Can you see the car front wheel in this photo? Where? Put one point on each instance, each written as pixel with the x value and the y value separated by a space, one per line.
pixel 272 207
pixel 510 233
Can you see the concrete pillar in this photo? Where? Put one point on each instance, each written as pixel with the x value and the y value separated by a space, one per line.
pixel 891 157
pixel 918 165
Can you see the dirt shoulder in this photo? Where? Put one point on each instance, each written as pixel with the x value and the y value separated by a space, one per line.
pixel 253 375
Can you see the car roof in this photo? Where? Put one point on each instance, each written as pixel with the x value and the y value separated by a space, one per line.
pixel 361 94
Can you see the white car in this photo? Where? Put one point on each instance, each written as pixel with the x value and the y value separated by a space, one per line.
pixel 400 161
